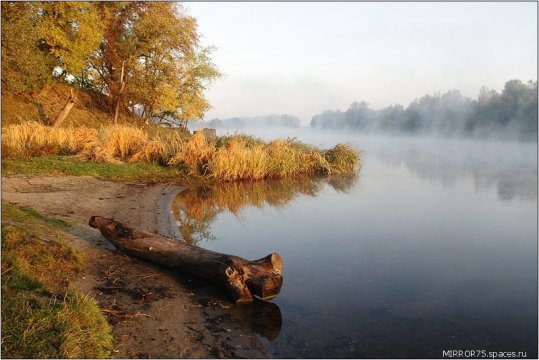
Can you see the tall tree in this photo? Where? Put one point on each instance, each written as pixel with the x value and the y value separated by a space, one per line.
pixel 165 68
pixel 134 54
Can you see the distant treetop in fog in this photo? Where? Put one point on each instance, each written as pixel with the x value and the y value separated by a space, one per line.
pixel 511 114
pixel 257 121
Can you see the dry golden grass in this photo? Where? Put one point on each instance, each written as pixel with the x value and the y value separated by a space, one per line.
pixel 283 158
pixel 342 159
pixel 162 146
pixel 237 157
pixel 155 151
pixel 193 155
pixel 34 139
pixel 122 141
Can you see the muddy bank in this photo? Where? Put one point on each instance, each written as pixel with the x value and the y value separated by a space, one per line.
pixel 155 313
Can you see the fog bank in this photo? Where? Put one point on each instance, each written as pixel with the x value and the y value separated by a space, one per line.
pixel 511 114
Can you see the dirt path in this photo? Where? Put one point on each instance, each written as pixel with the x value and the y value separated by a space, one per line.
pixel 155 313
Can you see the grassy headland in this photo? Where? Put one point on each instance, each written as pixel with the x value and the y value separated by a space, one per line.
pixel 169 153
pixel 42 317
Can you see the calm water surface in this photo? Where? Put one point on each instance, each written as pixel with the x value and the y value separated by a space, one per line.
pixel 432 247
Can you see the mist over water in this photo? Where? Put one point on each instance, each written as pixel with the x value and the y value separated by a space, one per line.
pixel 508 115
pixel 432 247
pixel 510 167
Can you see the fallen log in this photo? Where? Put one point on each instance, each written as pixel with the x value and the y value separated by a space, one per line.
pixel 242 278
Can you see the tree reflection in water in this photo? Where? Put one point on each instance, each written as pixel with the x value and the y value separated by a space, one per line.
pixel 197 207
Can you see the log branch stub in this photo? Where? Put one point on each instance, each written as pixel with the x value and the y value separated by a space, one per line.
pixel 242 278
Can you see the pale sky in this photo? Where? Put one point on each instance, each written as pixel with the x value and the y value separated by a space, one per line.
pixel 303 58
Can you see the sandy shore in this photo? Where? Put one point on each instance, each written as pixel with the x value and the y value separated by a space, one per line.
pixel 155 313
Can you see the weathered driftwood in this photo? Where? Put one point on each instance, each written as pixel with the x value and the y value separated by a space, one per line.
pixel 242 278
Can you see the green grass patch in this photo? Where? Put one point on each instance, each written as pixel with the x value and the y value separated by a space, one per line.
pixel 41 316
pixel 29 215
pixel 64 165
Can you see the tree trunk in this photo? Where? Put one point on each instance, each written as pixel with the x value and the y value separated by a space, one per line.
pixel 118 100
pixel 116 111
pixel 149 114
pixel 242 278
pixel 65 111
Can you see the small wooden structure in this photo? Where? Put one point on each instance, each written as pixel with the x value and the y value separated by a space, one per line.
pixel 242 278
pixel 210 135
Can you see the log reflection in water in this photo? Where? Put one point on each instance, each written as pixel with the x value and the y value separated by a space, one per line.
pixel 262 317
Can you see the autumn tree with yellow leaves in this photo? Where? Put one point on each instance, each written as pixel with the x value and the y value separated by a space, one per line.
pixel 142 58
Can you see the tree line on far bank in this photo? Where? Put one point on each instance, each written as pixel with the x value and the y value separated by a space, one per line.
pixel 139 58
pixel 275 120
pixel 510 114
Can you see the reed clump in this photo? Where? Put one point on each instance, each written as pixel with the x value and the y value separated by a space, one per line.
pixel 239 158
pixel 342 159
pixel 229 158
pixel 34 139
pixel 193 155
pixel 196 208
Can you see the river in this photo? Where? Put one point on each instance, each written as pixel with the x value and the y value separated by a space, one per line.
pixel 431 247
